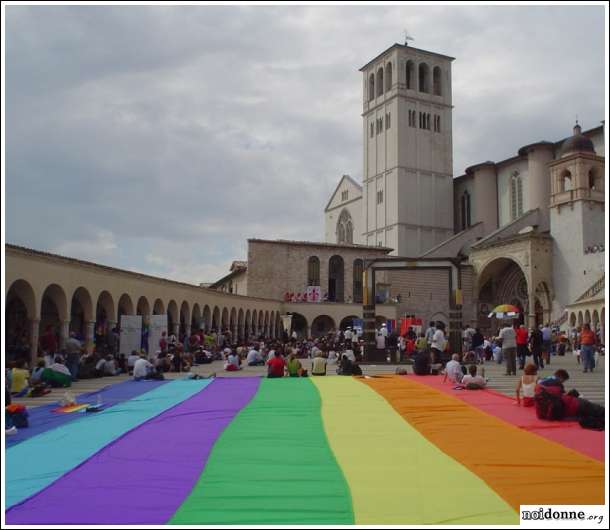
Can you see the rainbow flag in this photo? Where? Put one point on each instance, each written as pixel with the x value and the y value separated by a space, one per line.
pixel 325 450
pixel 75 407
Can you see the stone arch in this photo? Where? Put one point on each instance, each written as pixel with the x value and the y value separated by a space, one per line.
pixel 410 75
pixel 196 318
pixel 124 307
pixel 424 77
pixel 216 319
pixel 439 316
pixel 254 324
pixel 173 318
pixel 336 279
pixel 347 322
pixel 321 325
pixel 565 181
pixel 185 318
pixel 20 313
pixel 595 319
pixel 240 325
pixel 298 323
pixel 572 320
pixel 248 324
pixel 104 314
pixel 544 296
pixel 206 317
pixel 279 326
pixel 596 178
pixel 54 312
pixel 224 320
pixel 371 87
pixel 233 323
pixel 388 77
pixel 580 319
pixel 587 317
pixel 159 307
pixel 81 312
pixel 380 81
pixel 267 331
pixel 143 308
pixel 261 322
pixel 437 81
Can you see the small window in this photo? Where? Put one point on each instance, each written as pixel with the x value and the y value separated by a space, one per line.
pixel 372 129
pixel 379 244
pixel 379 196
pixel 344 195
pixel 387 121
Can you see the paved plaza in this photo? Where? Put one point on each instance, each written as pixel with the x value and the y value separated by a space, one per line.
pixel 590 385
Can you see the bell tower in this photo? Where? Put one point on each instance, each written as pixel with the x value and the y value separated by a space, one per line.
pixel 576 207
pixel 407 142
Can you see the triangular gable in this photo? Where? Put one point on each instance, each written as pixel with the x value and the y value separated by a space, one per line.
pixel 349 179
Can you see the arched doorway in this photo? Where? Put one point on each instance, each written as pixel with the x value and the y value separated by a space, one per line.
pixel 173 318
pixel 81 313
pixel 20 339
pixel 53 313
pixel 347 322
pixel 502 281
pixel 216 319
pixel 322 325
pixel 185 321
pixel 104 318
pixel 196 318
pixel 159 307
pixel 125 307
pixel 336 279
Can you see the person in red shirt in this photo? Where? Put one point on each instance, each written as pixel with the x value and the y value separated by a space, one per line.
pixel 276 365
pixel 48 342
pixel 522 340
pixel 587 348
pixel 163 342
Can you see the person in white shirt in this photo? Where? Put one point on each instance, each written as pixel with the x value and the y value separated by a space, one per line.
pixel 131 360
pixel 438 343
pixel 254 358
pixel 142 369
pixel 355 337
pixel 60 367
pixel 232 363
pixel 348 334
pixel 473 381
pixel 318 365
pixel 384 330
pixel 509 348
pixel 350 355
pixel 453 370
pixel 294 334
pixel 380 340
pixel 332 357
pixel 430 332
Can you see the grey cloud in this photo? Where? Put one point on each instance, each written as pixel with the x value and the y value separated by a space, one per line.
pixel 163 131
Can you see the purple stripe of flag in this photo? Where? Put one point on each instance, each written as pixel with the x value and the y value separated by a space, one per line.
pixel 143 477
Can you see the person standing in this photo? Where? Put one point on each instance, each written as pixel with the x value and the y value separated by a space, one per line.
pixel 438 343
pixel 547 342
pixel 48 344
pixel 587 345
pixel 522 337
pixel 536 347
pixel 509 348
pixel 430 333
pixel 73 351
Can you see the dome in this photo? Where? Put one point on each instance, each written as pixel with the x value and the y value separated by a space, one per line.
pixel 577 143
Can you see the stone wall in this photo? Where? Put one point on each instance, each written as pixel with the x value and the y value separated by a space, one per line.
pixel 277 267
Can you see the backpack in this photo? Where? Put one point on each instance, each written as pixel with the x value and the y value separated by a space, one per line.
pixel 549 405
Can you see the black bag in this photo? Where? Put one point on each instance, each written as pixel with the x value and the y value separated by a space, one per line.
pixel 549 406
pixel 356 370
pixel 594 423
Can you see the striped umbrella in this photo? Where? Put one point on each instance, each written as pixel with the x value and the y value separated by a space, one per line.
pixel 505 311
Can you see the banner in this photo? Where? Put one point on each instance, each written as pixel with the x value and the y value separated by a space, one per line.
pixel 358 325
pixel 158 324
pixel 131 333
pixel 287 322
pixel 314 293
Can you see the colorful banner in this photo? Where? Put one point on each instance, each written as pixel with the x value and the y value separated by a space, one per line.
pixel 385 450
pixel 314 294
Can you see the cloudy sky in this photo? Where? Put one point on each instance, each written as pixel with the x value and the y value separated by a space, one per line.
pixel 159 139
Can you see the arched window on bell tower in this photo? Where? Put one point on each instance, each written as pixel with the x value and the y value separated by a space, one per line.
pixel 380 82
pixel 371 87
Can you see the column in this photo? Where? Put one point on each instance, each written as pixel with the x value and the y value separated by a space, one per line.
pixel 368 316
pixel 308 331
pixel 531 310
pixel 90 335
pixel 34 331
pixel 64 334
